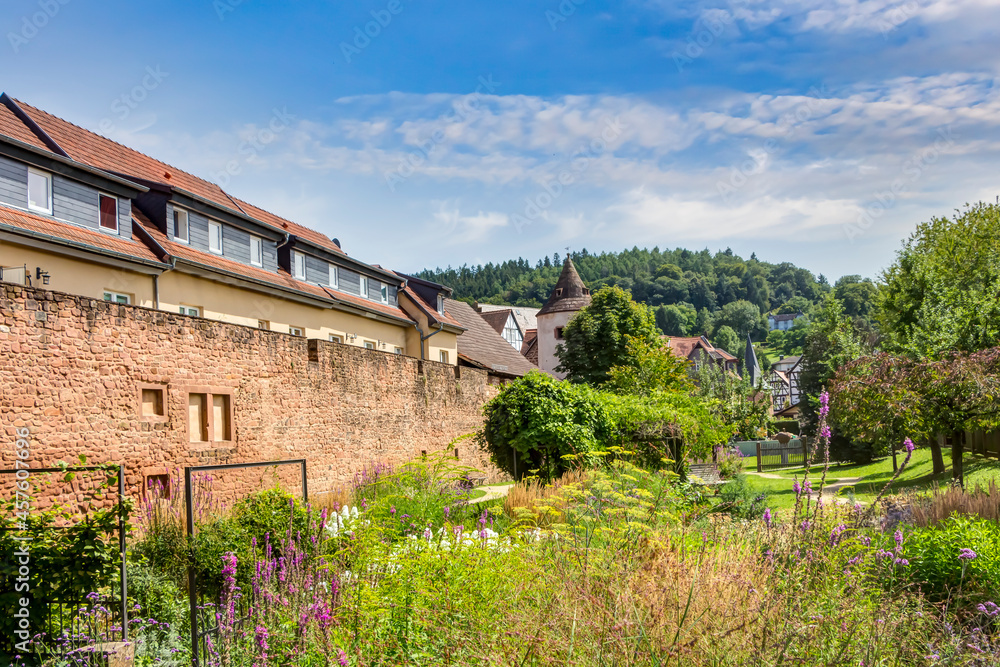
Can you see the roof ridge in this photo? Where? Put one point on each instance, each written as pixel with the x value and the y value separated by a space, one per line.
pixel 117 143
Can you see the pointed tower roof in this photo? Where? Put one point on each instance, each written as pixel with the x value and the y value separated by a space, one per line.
pixel 569 294
pixel 750 363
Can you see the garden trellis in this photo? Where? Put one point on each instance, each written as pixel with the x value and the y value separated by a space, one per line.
pixel 197 605
pixel 59 616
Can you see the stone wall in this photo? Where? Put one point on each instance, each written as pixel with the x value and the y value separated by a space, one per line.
pixel 72 371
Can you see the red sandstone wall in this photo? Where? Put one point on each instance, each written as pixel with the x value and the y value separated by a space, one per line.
pixel 71 370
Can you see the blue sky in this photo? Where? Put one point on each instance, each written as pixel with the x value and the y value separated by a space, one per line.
pixel 427 133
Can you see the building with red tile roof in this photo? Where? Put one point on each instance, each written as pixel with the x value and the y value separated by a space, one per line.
pixel 83 214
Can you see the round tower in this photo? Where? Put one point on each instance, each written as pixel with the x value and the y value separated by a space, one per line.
pixel 567 299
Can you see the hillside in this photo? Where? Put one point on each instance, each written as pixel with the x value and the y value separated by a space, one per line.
pixel 693 292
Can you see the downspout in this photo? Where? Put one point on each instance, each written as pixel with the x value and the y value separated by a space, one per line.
pixel 423 337
pixel 156 282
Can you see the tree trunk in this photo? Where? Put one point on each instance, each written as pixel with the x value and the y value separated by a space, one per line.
pixel 936 456
pixel 957 449
pixel 895 463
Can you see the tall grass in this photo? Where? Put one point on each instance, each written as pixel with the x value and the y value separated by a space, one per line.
pixel 981 501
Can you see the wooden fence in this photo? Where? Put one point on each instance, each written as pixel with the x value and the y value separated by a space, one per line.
pixel 772 454
pixel 983 443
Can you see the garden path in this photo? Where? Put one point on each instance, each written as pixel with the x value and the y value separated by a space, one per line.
pixel 492 493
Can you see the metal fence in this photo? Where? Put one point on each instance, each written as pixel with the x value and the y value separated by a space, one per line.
pixel 771 454
pixel 74 619
pixel 202 611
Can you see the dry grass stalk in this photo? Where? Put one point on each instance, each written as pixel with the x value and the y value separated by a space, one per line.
pixel 943 502
pixel 528 493
pixel 332 501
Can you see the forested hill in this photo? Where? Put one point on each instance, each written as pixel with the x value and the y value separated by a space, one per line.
pixel 698 284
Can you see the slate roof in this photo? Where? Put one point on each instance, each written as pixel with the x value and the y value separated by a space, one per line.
pixel 569 294
pixel 431 311
pixel 482 347
pixel 281 278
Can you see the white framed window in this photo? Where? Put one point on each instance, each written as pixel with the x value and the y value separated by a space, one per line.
pixel 443 356
pixel 298 265
pixel 192 311
pixel 369 345
pixel 364 287
pixel 40 191
pixel 215 237
pixel 333 280
pixel 117 297
pixel 334 338
pixel 296 331
pixel 256 251
pixel 181 226
pixel 441 303
pixel 384 293
pixel 108 212
pixel 397 350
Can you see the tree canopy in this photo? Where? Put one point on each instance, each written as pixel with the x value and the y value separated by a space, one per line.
pixel 596 339
pixel 942 293
pixel 698 283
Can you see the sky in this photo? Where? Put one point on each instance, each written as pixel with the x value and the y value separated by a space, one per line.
pixel 424 133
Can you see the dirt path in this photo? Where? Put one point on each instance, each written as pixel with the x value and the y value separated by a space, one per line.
pixel 492 493
pixel 830 489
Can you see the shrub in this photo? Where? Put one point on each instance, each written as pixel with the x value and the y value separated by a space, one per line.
pixel 729 462
pixel 740 501
pixel 935 565
pixel 537 420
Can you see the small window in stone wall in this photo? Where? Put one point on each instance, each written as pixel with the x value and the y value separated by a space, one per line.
pixel 158 486
pixel 210 416
pixel 152 402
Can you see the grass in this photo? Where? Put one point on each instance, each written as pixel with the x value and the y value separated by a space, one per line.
pixel 917 476
pixel 476 494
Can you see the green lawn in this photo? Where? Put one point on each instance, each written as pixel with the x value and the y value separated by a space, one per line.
pixel 916 476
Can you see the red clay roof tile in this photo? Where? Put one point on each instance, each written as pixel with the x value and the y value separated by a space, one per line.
pixel 72 234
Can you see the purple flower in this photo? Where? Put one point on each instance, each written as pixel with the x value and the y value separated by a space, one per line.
pixel 908 445
pixel 767 517
pixel 825 432
pixel 989 608
pixel 341 658
pixel 966 554
pixel 807 486
pixel 797 488
pixel 899 540
pixel 392 510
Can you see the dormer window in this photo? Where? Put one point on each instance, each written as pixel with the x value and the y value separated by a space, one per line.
pixel 559 291
pixel 40 191
pixel 384 293
pixel 364 287
pixel 333 280
pixel 441 303
pixel 181 226
pixel 298 265
pixel 215 237
pixel 109 212
pixel 256 251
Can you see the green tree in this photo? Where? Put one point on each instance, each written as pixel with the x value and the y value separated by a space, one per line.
pixel 943 291
pixel 536 421
pixel 676 320
pixel 746 410
pixel 650 367
pixel 743 317
pixel 832 342
pixel 728 340
pixel 595 340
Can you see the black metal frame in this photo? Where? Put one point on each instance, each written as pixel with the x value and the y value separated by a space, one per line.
pixel 121 529
pixel 189 507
